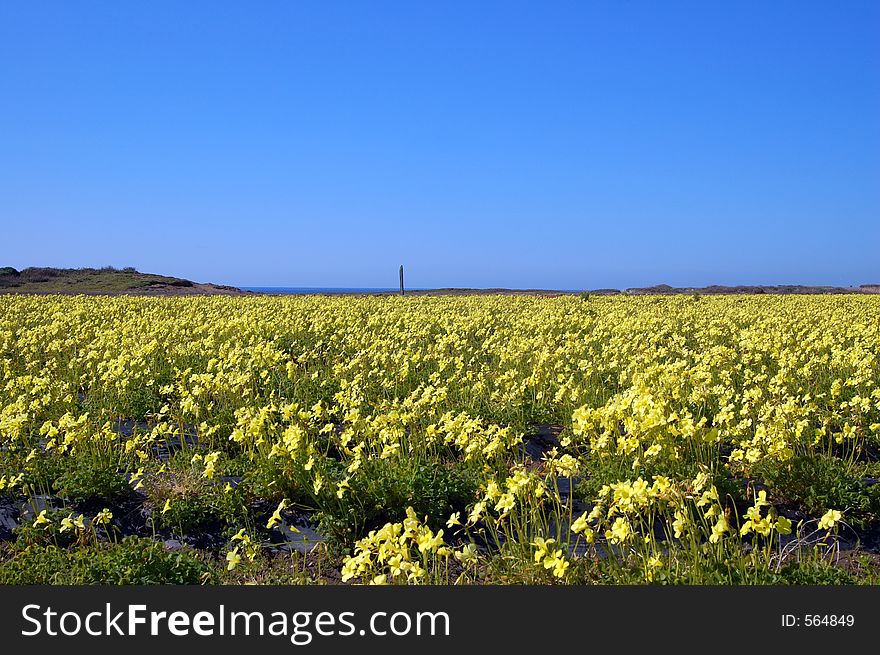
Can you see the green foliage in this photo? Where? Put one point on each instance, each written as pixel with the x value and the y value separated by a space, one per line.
pixel 273 479
pixel 383 489
pixel 29 534
pixel 89 474
pixel 88 479
pixel 133 561
pixel 38 473
pixel 184 501
pixel 816 573
pixel 817 483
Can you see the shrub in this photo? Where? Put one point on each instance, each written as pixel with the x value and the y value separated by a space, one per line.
pixel 88 479
pixel 382 491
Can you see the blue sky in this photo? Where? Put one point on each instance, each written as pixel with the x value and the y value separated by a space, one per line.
pixel 541 144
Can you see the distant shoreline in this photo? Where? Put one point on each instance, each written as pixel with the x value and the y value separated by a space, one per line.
pixel 128 281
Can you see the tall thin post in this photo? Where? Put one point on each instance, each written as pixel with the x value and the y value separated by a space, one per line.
pixel 401 279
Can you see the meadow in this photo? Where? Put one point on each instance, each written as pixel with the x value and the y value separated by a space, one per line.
pixel 440 440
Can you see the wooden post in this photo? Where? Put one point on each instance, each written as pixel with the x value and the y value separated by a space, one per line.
pixel 401 279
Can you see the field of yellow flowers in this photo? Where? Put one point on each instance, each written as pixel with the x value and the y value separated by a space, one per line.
pixel 440 440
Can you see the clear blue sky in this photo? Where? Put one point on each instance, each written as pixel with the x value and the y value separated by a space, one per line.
pixel 543 144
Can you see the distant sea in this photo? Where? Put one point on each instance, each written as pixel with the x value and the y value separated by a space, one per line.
pixel 300 291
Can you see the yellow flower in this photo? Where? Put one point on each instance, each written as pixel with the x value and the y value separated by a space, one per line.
pixel 542 548
pixel 42 520
pixel 79 522
pixel 652 565
pixel 679 526
pixel 762 527
pixel 477 511
pixel 557 563
pixel 707 497
pixel 596 513
pixel 167 505
pixel 830 519
pixel 396 564
pixel 428 541
pixel 211 465
pixel 275 519
pixel 233 558
pixel 580 525
pixel 719 529
pixel 619 532
pixel 783 525
pixel 416 571
pixel 505 503
pixel 467 555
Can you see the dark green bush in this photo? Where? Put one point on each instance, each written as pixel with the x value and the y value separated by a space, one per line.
pixel 382 491
pixel 87 479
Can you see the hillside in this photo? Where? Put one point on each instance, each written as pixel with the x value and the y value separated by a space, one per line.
pixel 104 281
